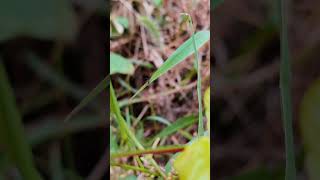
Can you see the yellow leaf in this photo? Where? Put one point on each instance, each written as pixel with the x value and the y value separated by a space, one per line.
pixel 194 162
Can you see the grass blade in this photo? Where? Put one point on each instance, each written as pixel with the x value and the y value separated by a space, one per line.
pixel 199 81
pixel 94 93
pixel 285 85
pixel 176 126
pixel 185 50
pixel 124 129
pixel 11 131
pixel 115 109
pixel 159 119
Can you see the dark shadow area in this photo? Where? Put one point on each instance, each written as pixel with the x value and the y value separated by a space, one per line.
pixel 54 53
pixel 247 124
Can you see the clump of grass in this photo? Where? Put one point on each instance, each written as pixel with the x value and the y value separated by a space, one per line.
pixel 188 48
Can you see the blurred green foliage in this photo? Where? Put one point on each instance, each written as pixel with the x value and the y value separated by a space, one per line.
pixel 310 128
pixel 49 20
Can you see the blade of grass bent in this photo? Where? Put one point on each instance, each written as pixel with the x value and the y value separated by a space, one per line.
pixel 12 132
pixel 96 91
pixel 184 51
pixel 176 126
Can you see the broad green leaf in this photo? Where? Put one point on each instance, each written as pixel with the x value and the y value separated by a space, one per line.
pixel 207 107
pixel 185 50
pixel 194 161
pixel 176 126
pixel 49 20
pixel 152 27
pixel 119 64
pixel 310 128
pixel 12 135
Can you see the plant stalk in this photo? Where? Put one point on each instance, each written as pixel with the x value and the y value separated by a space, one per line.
pixel 285 85
pixel 198 67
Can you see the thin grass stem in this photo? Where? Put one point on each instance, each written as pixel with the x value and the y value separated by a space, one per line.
pixel 198 67
pixel 285 85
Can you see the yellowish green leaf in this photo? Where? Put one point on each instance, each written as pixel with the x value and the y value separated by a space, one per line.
pixel 194 162
pixel 310 128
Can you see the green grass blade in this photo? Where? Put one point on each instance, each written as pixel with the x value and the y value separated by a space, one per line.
pixel 12 134
pixel 285 85
pixel 115 109
pixel 94 93
pixel 126 85
pixel 185 50
pixel 176 126
pixel 199 81
pixel 159 119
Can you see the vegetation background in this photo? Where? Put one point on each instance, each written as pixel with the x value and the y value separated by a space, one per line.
pixel 144 34
pixel 54 53
pixel 246 120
